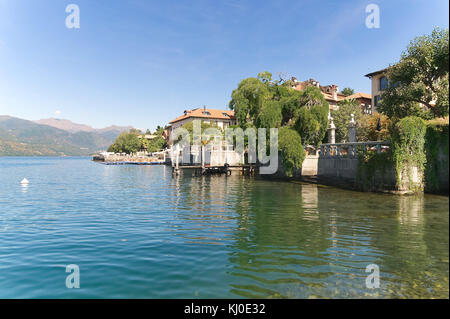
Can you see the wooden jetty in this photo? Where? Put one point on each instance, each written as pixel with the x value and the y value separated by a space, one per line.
pixel 133 163
pixel 227 170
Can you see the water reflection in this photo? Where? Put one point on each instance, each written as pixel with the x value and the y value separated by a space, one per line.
pixel 211 237
pixel 305 241
pixel 24 188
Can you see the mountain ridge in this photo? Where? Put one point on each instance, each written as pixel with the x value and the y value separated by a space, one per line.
pixel 68 125
pixel 19 137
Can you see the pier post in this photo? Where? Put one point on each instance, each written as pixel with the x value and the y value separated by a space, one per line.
pixel 203 159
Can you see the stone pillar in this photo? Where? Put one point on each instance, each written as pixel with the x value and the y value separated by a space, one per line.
pixel 352 130
pixel 331 131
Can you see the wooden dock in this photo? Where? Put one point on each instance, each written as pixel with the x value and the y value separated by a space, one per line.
pixel 133 163
pixel 199 170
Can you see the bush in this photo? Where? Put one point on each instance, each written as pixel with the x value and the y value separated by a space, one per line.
pixel 367 127
pixel 293 153
pixel 408 140
pixel 436 141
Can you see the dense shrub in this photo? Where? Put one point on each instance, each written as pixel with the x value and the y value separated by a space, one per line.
pixel 292 151
pixel 436 142
pixel 408 139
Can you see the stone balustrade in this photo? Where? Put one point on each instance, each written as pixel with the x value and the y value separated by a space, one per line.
pixel 350 150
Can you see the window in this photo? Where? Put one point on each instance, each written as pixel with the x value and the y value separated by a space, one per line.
pixel 383 83
pixel 376 100
pixel 225 114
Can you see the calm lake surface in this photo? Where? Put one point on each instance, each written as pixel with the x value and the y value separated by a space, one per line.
pixel 136 232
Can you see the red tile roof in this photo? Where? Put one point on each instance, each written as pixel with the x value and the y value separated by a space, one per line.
pixel 206 114
pixel 359 95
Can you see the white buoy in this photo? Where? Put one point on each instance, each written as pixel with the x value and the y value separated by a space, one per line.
pixel 25 182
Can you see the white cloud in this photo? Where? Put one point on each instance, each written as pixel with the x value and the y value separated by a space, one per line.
pixel 57 112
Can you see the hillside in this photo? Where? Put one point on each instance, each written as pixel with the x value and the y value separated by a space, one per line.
pixel 72 127
pixel 26 138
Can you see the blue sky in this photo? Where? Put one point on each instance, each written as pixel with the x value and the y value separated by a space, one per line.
pixel 142 62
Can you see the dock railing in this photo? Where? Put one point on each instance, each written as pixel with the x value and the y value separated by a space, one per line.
pixel 351 149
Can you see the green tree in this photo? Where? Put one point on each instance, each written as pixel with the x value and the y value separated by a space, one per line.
pixel 126 142
pixel 247 100
pixel 292 151
pixel 419 78
pixel 311 118
pixel 342 117
pixel 348 91
pixel 156 144
pixel 265 77
pixel 290 101
pixel 269 115
pixel 367 127
pixel 265 103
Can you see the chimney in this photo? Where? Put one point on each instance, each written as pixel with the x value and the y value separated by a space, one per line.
pixel 334 92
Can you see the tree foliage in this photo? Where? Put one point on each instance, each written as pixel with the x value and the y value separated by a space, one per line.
pixel 126 142
pixel 419 78
pixel 347 91
pixel 270 115
pixel 367 127
pixel 129 142
pixel 293 153
pixel 265 103
pixel 310 115
pixel 408 140
pixel 247 100
pixel 342 117
pixel 156 144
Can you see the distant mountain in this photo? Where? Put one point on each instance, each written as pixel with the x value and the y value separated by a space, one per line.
pixel 72 127
pixel 21 137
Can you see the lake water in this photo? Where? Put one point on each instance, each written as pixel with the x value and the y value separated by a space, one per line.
pixel 137 232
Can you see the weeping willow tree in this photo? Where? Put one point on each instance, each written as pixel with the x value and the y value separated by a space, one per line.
pixel 262 102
